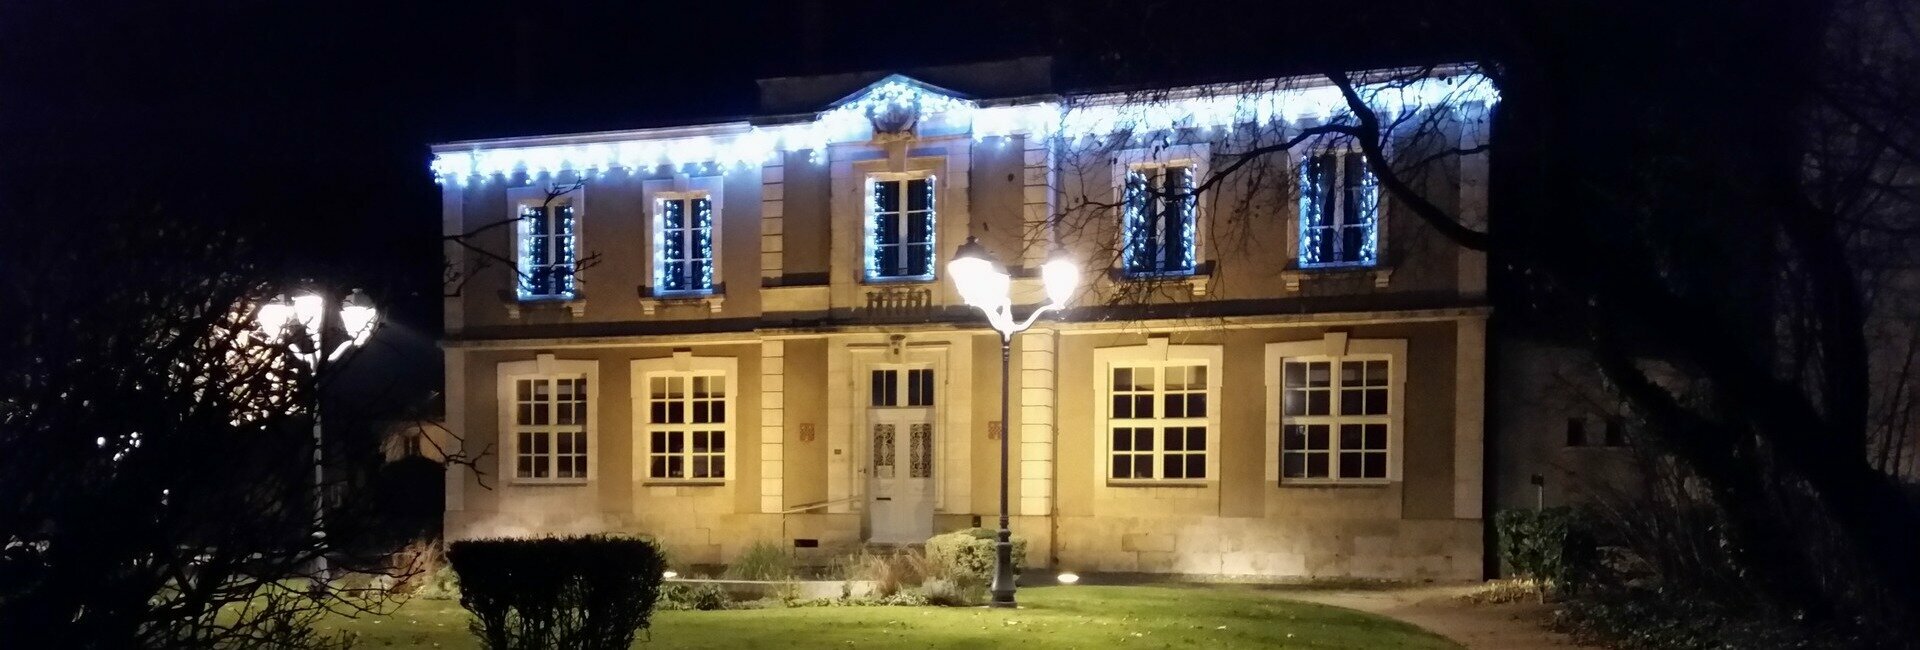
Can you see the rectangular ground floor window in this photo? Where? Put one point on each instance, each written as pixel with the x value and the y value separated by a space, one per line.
pixel 1157 425
pixel 687 425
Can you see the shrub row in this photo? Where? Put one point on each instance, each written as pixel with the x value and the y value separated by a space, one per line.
pixel 598 592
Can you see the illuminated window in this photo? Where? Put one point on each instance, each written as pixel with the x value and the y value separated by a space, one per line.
pixel 684 225
pixel 547 249
pixel 1339 210
pixel 900 223
pixel 1157 421
pixel 687 426
pixel 549 428
pixel 1335 418
pixel 1159 213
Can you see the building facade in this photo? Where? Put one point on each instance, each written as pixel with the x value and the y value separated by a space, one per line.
pixel 742 332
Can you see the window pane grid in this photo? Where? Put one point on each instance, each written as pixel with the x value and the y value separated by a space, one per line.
pixel 887 386
pixel 547 250
pixel 1335 418
pixel 687 427
pixel 1159 209
pixel 686 244
pixel 549 428
pixel 901 236
pixel 1157 422
pixel 1339 210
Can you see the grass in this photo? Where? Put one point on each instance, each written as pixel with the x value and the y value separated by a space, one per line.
pixel 1050 617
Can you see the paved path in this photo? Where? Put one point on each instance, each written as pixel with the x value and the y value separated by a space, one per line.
pixel 1513 626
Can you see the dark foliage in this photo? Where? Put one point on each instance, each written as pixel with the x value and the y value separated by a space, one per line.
pixel 589 593
pixel 1554 544
pixel 702 596
pixel 1649 618
pixel 1672 576
pixel 157 450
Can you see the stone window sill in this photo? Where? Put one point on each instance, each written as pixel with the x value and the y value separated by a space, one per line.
pixel 1334 483
pixel 1294 277
pixel 541 482
pixel 651 304
pixel 1118 483
pixel 667 482
pixel 517 305
pixel 1195 283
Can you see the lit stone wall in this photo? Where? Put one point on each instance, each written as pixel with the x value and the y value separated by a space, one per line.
pixel 1324 546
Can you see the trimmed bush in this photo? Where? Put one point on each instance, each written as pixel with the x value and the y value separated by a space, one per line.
pixel 592 593
pixel 968 555
pixel 1553 544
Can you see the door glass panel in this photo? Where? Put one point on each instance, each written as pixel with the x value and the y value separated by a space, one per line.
pixel 921 446
pixel 883 450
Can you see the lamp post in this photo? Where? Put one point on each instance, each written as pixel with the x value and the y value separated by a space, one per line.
pixel 985 285
pixel 306 314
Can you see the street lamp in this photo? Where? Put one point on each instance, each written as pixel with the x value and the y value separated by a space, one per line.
pixel 306 315
pixel 985 285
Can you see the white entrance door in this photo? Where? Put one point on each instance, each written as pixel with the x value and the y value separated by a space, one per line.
pixel 900 459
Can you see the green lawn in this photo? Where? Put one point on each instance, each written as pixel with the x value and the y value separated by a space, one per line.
pixel 1050 617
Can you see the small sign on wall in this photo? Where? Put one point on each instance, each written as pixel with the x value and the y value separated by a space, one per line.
pixel 806 432
pixel 993 429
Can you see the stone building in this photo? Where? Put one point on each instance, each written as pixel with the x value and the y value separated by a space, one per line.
pixel 741 331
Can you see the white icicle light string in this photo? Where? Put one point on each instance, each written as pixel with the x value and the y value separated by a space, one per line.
pixel 739 145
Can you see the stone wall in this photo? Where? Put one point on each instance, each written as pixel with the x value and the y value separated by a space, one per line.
pixel 1436 549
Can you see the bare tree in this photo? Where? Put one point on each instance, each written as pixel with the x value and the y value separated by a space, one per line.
pixel 1248 181
pixel 1728 191
pixel 458 269
pixel 156 455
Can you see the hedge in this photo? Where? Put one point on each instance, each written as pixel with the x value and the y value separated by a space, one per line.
pixel 593 593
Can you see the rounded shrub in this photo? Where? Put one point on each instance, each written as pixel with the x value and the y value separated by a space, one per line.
pixel 592 593
pixel 968 555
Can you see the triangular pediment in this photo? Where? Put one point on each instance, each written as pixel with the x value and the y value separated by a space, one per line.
pixel 898 89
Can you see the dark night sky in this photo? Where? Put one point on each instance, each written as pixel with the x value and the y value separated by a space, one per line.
pixel 320 112
pixel 329 106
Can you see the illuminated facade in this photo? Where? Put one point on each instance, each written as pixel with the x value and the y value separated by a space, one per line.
pixel 764 347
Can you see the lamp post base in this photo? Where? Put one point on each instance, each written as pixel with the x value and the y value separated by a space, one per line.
pixel 1003 580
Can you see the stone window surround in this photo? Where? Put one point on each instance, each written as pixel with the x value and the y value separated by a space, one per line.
pixel 536 195
pixel 867 234
pixel 713 187
pixel 546 366
pixel 1380 271
pixel 1155 351
pixel 683 361
pixel 1335 345
pixel 944 157
pixel 1196 155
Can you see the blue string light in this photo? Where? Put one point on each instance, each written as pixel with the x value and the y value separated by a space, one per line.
pixel 741 145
